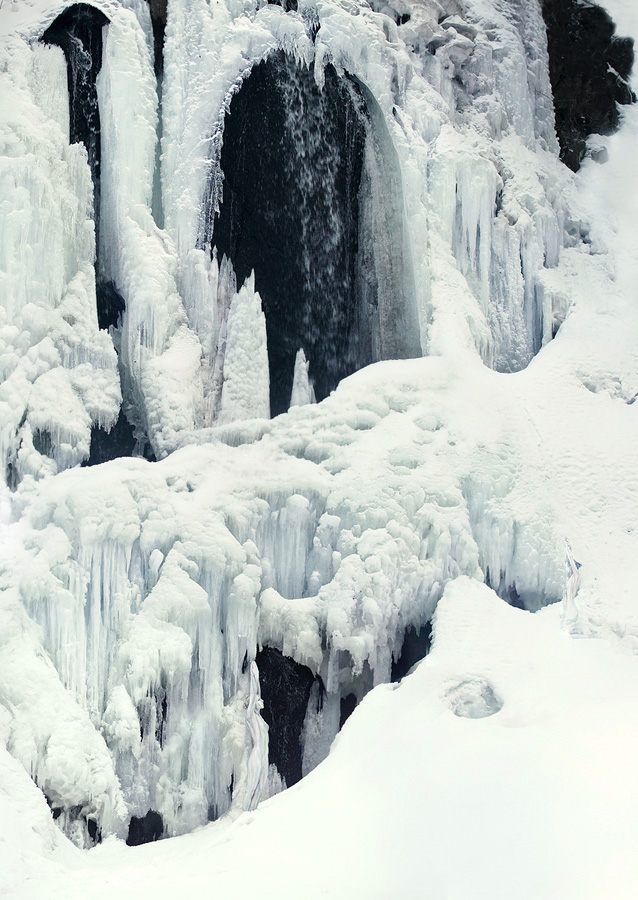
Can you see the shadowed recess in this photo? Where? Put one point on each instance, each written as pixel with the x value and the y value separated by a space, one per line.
pixel 415 647
pixel 285 690
pixel 312 202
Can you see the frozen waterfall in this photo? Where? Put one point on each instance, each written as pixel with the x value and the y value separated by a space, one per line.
pixel 286 195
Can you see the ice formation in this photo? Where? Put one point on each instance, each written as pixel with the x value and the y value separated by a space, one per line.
pixel 572 585
pixel 257 766
pixel 138 594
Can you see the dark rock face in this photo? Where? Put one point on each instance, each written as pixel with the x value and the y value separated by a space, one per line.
pixel 310 203
pixel 292 158
pixel 416 646
pixel 108 445
pixel 285 690
pixel 144 829
pixel 589 67
pixel 78 32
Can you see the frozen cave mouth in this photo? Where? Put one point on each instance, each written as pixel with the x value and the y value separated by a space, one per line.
pixel 312 203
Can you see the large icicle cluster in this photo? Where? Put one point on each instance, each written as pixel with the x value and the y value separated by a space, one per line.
pixel 136 595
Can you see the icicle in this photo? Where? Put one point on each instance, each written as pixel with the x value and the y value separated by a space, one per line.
pixel 302 389
pixel 257 771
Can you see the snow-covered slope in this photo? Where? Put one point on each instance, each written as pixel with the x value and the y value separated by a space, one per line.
pixel 134 592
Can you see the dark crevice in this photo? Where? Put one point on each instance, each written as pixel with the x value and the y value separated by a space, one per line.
pixel 43 443
pixel 415 647
pixel 161 711
pixel 113 444
pixel 529 600
pixel 286 5
pixel 285 691
pixel 144 829
pixel 110 305
pixel 158 9
pixel 78 32
pixel 589 67
pixel 348 706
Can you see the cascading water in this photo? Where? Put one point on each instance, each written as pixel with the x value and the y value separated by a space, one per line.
pixel 303 207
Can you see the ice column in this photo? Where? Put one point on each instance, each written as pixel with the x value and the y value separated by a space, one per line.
pixel 257 770
pixel 302 390
pixel 246 388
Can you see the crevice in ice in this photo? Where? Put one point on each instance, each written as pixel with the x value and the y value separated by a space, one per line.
pixel 285 691
pixel 144 829
pixel 158 10
pixel 78 32
pixel 110 305
pixel 415 647
pixel 111 444
pixel 347 706
pixel 516 593
pixel 312 204
pixel 589 67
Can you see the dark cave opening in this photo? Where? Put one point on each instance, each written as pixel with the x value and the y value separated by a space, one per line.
pixel 347 706
pixel 589 67
pixel 78 32
pixel 415 647
pixel 285 690
pixel 113 444
pixel 144 829
pixel 312 203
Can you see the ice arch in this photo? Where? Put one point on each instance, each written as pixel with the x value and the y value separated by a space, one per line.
pixel 312 203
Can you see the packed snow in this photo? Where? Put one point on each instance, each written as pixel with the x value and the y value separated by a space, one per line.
pixel 443 489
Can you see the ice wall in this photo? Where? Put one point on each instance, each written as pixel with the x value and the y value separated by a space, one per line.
pixel 58 374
